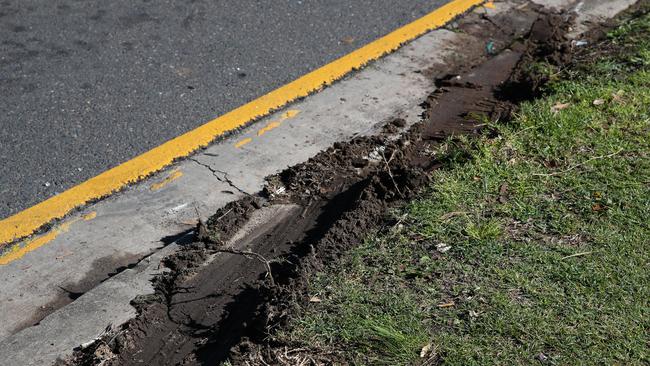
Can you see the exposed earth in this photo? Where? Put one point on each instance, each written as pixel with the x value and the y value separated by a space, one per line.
pixel 236 281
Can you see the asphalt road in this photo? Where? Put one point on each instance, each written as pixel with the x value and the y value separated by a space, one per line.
pixel 87 85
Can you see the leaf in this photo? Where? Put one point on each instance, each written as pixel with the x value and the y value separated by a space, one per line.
pixel 597 207
pixel 560 106
pixel 315 299
pixel 425 350
pixel 503 193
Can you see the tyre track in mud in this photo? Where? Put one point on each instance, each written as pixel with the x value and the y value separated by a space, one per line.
pixel 225 292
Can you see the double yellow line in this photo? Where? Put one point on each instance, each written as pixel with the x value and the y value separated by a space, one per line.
pixel 30 220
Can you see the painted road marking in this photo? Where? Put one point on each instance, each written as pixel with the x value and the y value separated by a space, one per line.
pixel 275 124
pixel 243 142
pixel 175 174
pixel 29 220
pixel 270 126
pixel 18 251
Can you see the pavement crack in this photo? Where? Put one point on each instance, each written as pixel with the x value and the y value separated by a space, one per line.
pixel 223 178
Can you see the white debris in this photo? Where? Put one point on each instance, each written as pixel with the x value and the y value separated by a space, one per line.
pixel 442 247
pixel 376 154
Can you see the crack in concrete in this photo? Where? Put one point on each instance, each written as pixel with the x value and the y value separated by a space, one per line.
pixel 223 179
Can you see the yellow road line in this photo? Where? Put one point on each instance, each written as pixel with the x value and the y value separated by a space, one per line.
pixel 275 124
pixel 28 221
pixel 19 250
pixel 270 126
pixel 170 178
pixel 243 142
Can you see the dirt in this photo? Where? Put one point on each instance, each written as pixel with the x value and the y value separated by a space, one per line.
pixel 228 291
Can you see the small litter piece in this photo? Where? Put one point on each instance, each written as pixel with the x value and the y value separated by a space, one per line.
pixel 489 48
pixel 376 154
pixel 579 43
pixel 599 102
pixel 443 248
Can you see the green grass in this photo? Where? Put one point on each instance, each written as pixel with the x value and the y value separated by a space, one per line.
pixel 547 238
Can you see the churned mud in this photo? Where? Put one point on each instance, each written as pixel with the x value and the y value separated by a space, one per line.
pixel 236 283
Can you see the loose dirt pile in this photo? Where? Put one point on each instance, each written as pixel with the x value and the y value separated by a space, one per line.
pixel 227 292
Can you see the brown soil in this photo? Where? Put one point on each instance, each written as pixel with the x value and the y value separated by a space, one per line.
pixel 228 291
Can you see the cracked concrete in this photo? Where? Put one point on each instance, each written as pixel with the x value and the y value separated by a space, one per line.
pixel 224 179
pixel 141 220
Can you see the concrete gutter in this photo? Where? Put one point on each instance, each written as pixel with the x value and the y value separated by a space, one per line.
pixel 148 221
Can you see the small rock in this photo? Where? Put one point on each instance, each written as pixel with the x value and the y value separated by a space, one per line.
pixel 47 184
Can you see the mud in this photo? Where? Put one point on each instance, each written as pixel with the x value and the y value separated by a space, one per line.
pixel 227 292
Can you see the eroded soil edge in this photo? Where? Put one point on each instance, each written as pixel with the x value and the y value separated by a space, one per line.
pixel 224 294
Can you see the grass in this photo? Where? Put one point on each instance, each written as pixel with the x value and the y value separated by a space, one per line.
pixel 535 250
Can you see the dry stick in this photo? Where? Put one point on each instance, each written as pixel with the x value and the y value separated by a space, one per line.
pixel 576 255
pixel 389 171
pixel 578 165
pixel 248 254
pixel 224 215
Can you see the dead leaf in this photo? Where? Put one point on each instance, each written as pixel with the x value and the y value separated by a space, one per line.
pixel 503 193
pixel 597 207
pixel 315 299
pixel 551 164
pixel 559 106
pixel 618 96
pixel 599 102
pixel 447 305
pixel 425 350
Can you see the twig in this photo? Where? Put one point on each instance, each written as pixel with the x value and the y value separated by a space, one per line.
pixel 578 165
pixel 390 173
pixel 224 215
pixel 576 255
pixel 248 254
